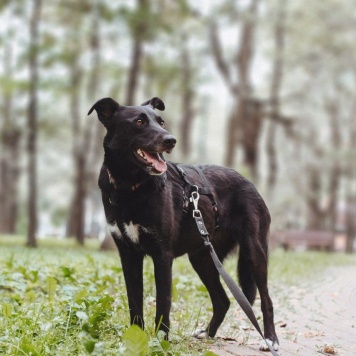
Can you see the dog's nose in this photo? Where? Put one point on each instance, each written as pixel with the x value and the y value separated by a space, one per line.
pixel 170 141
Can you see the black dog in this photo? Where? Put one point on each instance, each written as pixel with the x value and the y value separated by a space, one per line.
pixel 146 210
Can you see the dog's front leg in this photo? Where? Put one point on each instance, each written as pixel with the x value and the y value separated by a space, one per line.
pixel 132 265
pixel 163 278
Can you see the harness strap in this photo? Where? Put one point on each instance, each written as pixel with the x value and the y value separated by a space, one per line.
pixel 205 190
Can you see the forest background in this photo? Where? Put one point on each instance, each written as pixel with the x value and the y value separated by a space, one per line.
pixel 265 87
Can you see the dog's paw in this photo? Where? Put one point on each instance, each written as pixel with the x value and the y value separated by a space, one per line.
pixel 200 334
pixel 264 346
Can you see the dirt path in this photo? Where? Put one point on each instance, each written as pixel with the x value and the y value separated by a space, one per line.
pixel 310 319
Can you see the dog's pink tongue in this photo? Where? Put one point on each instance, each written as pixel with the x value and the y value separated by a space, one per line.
pixel 157 162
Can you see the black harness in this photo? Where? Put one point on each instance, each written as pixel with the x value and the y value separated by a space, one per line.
pixel 204 190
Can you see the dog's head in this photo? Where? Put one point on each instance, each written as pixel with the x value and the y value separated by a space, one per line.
pixel 136 133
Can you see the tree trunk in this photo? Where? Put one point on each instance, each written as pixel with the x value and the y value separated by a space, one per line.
pixel 233 132
pixel 245 54
pixel 244 128
pixel 252 125
pixel 233 136
pixel 187 100
pixel 9 156
pixel 80 195
pixel 108 243
pixel 351 185
pixel 277 75
pixel 96 150
pixel 271 157
pixel 137 54
pixel 250 109
pixel 336 171
pixel 134 72
pixel 350 219
pixel 32 125
pixel 245 122
pixel 75 220
pixel 9 166
pixel 87 138
pixel 316 216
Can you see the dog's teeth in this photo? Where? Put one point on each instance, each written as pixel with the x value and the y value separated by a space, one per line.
pixel 140 153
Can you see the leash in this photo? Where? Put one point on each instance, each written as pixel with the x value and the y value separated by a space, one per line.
pixel 233 287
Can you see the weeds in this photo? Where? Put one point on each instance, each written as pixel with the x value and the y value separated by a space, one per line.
pixel 61 299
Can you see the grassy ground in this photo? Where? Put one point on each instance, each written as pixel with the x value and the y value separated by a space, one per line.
pixel 61 299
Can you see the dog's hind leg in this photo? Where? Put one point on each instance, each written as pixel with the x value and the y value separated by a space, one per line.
pixel 204 266
pixel 253 268
pixel 132 265
pixel 246 278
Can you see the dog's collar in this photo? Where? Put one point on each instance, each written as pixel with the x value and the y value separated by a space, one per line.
pixel 115 184
pixel 133 187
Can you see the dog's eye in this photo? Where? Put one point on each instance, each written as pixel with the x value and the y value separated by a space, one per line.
pixel 161 122
pixel 139 122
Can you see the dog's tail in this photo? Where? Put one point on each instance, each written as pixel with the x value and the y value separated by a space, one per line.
pixel 245 275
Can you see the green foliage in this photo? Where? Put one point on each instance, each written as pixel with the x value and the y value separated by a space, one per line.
pixel 62 299
pixel 287 266
pixel 209 353
pixel 135 342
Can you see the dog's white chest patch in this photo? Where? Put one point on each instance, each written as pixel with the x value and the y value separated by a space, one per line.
pixel 113 229
pixel 132 232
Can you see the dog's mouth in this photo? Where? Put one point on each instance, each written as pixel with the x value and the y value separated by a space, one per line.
pixel 153 161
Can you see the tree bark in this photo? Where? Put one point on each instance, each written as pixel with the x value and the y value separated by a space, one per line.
pixel 187 100
pixel 244 124
pixel 220 62
pixel 350 219
pixel 234 136
pixel 277 75
pixel 134 71
pixel 336 169
pixel 108 243
pixel 316 216
pixel 351 185
pixel 245 54
pixel 33 125
pixel 249 108
pixel 137 54
pixel 252 125
pixel 87 138
pixel 75 220
pixel 9 155
pixel 9 177
pixel 96 149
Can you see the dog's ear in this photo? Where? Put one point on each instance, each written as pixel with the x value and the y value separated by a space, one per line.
pixel 156 103
pixel 105 108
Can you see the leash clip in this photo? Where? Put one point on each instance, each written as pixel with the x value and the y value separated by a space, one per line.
pixel 194 198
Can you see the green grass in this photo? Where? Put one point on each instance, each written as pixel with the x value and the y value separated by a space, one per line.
pixel 288 266
pixel 61 299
